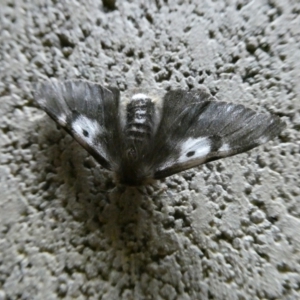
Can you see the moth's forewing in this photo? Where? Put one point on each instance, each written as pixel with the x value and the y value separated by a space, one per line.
pixel 201 129
pixel 88 111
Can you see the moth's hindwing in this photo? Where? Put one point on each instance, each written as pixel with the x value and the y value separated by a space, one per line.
pixel 87 111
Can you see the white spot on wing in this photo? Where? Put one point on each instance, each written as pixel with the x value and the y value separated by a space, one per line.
pixel 92 128
pixel 139 96
pixel 263 140
pixel 224 148
pixel 200 146
pixel 62 119
pixel 229 108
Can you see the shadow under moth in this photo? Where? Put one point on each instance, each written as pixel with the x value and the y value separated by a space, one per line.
pixel 142 135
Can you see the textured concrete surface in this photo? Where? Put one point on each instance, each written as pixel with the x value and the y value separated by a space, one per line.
pixel 226 230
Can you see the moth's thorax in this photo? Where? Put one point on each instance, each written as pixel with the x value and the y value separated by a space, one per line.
pixel 139 118
pixel 140 114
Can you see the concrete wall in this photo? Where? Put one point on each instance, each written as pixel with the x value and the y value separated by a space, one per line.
pixel 226 230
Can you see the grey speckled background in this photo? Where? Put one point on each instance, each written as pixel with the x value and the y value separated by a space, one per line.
pixel 226 230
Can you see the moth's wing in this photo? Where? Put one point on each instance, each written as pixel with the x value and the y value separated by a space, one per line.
pixel 195 129
pixel 88 111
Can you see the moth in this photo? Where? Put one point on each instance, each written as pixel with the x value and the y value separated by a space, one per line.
pixel 142 135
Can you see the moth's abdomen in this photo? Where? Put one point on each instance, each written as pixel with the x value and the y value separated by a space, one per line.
pixel 139 118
